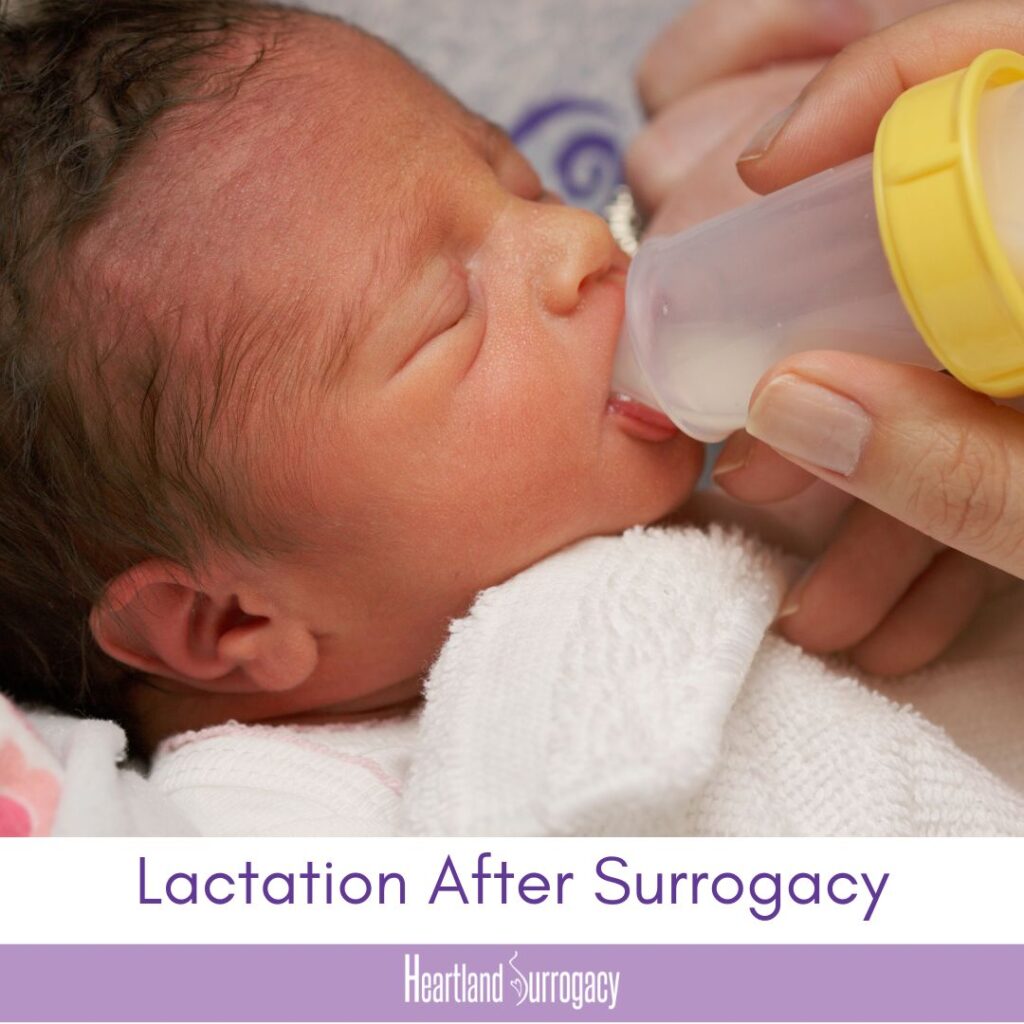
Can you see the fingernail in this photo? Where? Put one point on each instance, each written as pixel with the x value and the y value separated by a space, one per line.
pixel 766 135
pixel 789 607
pixel 795 595
pixel 810 423
pixel 734 456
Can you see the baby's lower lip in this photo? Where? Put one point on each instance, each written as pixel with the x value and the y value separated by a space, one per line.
pixel 641 420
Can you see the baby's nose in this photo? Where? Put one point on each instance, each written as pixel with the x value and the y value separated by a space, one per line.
pixel 579 248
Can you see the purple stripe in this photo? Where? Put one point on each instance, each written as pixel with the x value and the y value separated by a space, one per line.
pixel 658 983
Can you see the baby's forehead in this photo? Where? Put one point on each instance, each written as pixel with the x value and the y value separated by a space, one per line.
pixel 331 146
pixel 260 233
pixel 332 69
pixel 341 116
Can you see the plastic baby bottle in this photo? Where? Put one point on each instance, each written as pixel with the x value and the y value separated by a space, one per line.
pixel 914 254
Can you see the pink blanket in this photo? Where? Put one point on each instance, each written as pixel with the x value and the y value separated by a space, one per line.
pixel 30 777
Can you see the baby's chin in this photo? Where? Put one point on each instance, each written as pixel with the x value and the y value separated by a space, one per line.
pixel 656 480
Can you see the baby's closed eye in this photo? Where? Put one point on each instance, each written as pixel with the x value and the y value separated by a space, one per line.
pixel 452 305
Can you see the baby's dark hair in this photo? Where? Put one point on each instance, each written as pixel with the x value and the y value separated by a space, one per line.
pixel 90 484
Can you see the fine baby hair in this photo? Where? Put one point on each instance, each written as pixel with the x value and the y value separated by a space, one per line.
pixel 103 442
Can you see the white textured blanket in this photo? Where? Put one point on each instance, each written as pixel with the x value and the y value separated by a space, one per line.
pixel 629 686
pixel 626 685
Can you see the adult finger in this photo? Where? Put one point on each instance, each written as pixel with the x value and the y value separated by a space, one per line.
pixel 708 125
pixel 848 592
pixel 932 614
pixel 804 525
pixel 714 38
pixel 912 442
pixel 751 471
pixel 837 115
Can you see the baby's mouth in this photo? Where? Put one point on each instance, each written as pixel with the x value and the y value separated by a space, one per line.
pixel 630 397
pixel 641 420
pixel 636 417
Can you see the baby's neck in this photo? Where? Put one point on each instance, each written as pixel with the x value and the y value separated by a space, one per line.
pixel 161 708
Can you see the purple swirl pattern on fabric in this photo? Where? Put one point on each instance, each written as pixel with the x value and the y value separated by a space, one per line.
pixel 576 144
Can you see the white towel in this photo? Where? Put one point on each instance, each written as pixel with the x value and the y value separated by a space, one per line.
pixel 629 686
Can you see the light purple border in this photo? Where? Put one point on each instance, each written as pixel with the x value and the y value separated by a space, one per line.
pixel 658 983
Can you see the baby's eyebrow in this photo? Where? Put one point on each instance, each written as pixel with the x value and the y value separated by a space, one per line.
pixel 408 239
pixel 421 219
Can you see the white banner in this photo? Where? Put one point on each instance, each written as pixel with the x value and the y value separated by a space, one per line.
pixel 512 890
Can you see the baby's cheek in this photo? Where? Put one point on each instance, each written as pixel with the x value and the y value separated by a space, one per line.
pixel 529 431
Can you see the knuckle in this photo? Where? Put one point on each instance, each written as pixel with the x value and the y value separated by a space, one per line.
pixel 873 59
pixel 960 492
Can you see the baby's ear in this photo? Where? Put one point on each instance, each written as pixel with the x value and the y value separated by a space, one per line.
pixel 160 619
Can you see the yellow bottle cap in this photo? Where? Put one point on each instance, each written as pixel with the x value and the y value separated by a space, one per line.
pixel 949 266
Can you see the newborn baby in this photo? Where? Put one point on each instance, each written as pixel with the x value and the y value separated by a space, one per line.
pixel 298 357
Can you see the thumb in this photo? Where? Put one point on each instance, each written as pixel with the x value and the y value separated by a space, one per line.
pixel 912 442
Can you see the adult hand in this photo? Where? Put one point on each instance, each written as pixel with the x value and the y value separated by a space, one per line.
pixel 928 454
pixel 714 75
pixel 715 39
pixel 682 165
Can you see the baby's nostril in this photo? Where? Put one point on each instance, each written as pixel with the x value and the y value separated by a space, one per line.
pixel 583 288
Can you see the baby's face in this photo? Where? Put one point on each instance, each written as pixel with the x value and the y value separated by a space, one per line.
pixel 454 425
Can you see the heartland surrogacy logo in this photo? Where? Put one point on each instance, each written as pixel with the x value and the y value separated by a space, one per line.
pixel 509 982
